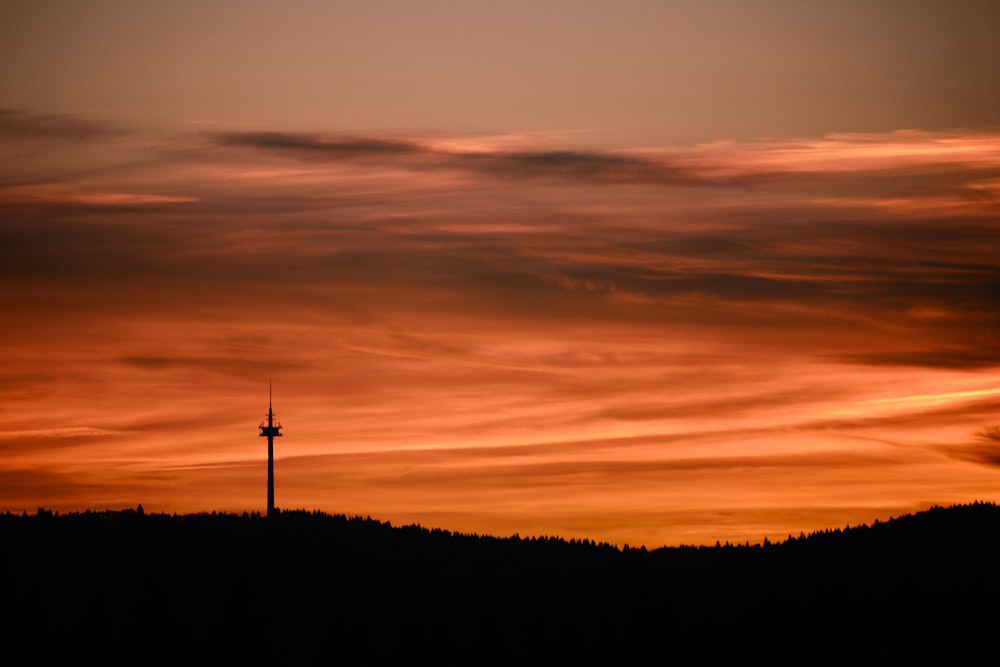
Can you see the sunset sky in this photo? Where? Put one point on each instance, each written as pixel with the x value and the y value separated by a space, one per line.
pixel 647 273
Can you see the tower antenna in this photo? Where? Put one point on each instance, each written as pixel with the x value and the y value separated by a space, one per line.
pixel 270 429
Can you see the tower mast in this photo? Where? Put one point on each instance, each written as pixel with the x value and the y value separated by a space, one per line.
pixel 270 429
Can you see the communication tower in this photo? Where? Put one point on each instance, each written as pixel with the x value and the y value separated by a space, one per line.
pixel 270 429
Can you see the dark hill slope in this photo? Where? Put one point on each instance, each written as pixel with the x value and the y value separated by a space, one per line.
pixel 311 588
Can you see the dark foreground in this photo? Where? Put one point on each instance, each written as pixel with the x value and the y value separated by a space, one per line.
pixel 309 588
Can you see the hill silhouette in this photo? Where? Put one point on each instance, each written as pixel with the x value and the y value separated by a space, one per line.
pixel 313 588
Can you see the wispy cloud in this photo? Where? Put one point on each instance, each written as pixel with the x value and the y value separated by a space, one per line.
pixel 985 356
pixel 604 166
pixel 983 447
pixel 944 160
pixel 306 145
pixel 70 195
pixel 63 127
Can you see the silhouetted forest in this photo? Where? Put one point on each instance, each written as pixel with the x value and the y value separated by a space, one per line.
pixel 312 588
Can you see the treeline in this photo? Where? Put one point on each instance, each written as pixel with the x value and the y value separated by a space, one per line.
pixel 313 588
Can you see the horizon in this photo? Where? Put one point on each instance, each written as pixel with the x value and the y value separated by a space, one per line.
pixel 139 510
pixel 639 273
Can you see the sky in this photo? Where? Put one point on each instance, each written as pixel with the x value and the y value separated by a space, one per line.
pixel 644 273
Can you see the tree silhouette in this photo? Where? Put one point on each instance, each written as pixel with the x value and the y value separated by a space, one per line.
pixel 321 588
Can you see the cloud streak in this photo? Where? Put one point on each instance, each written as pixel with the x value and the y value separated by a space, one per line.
pixel 945 160
pixel 603 166
pixel 61 127
pixel 983 448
